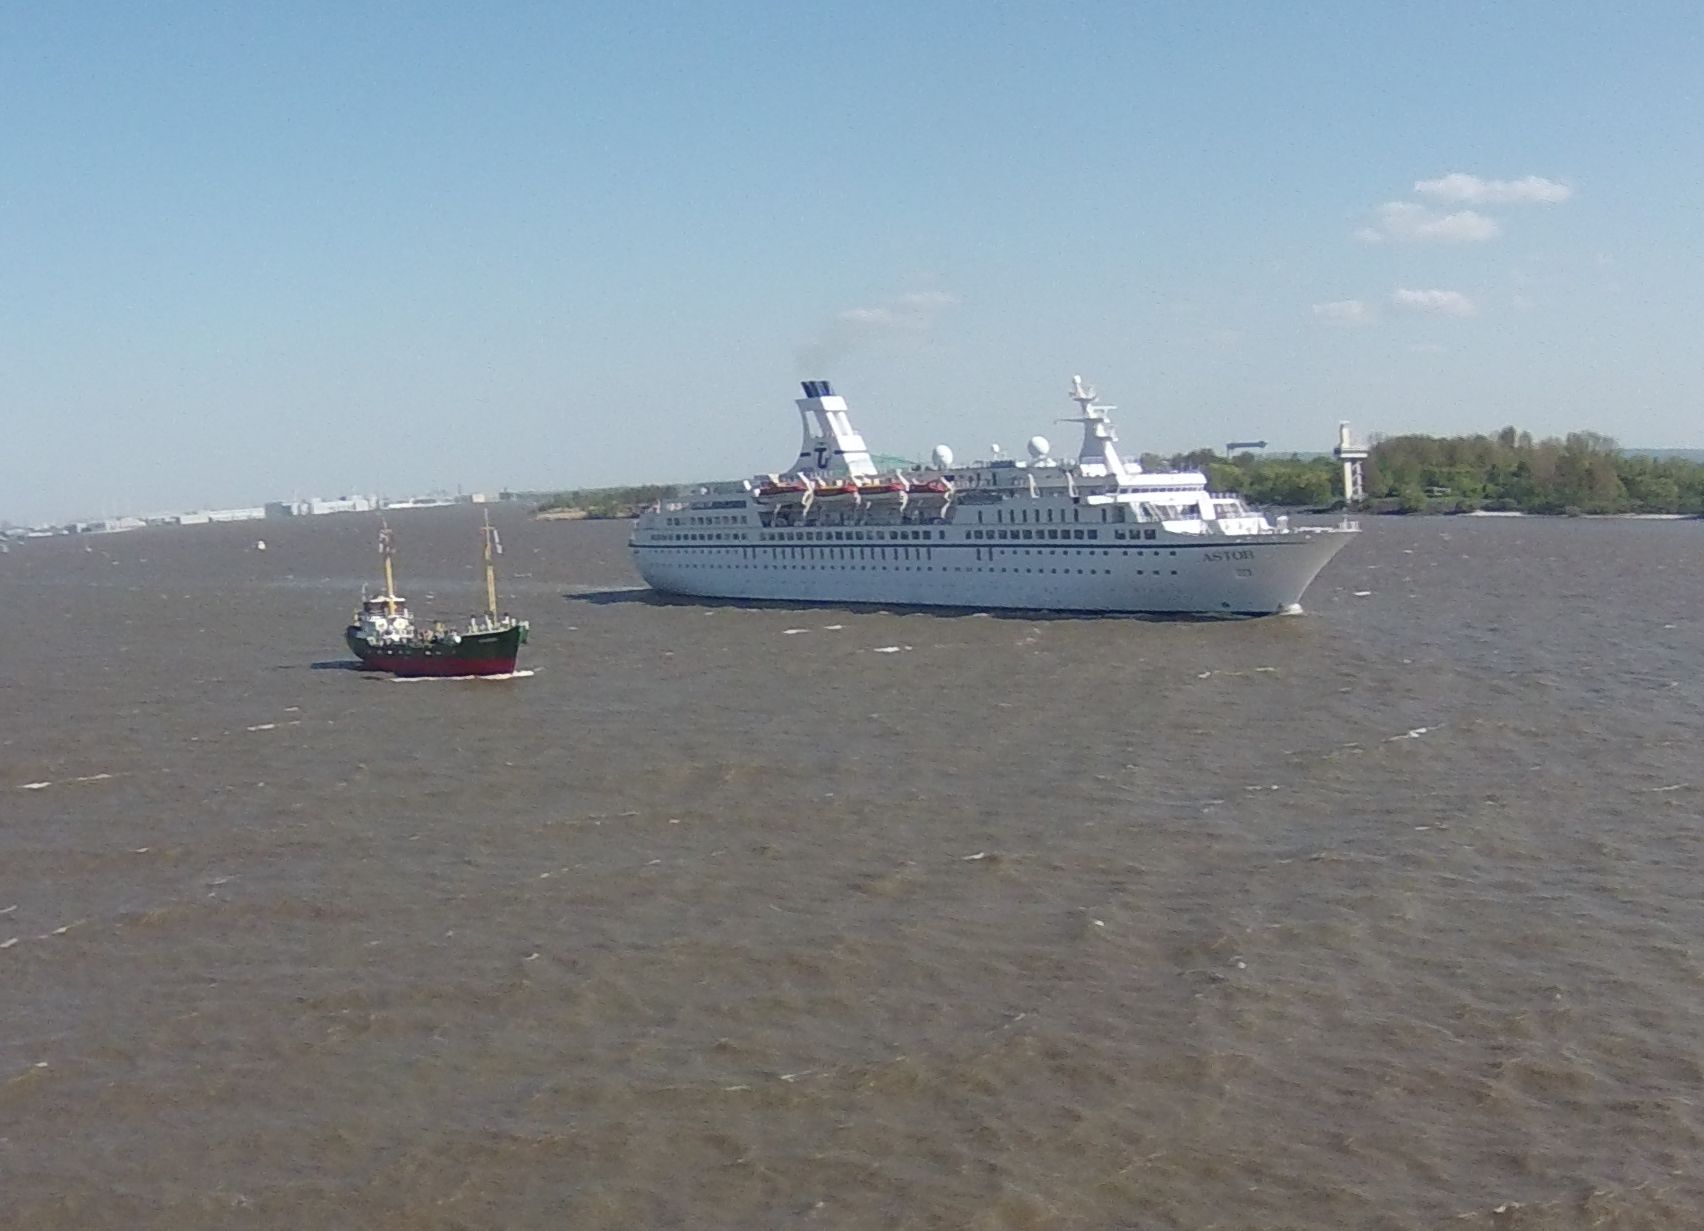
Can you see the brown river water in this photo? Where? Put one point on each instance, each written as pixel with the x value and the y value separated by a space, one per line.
pixel 1387 916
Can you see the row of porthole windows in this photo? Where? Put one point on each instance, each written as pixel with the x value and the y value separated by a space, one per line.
pixel 1023 515
pixel 839 553
pixel 1034 534
pixel 878 558
pixel 930 568
pixel 862 536
pixel 843 553
pixel 852 536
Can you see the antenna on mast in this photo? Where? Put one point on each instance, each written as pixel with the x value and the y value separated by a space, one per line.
pixel 1083 395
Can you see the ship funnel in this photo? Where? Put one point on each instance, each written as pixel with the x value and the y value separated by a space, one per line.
pixel 829 444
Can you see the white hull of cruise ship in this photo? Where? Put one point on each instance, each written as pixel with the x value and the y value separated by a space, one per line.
pixel 1093 535
pixel 1230 577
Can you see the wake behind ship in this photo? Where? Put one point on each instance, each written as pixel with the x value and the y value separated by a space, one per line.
pixel 1090 534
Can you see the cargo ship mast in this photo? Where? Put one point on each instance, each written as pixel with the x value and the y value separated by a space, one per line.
pixel 386 550
pixel 490 569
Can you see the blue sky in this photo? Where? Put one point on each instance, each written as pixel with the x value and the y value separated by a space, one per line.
pixel 254 251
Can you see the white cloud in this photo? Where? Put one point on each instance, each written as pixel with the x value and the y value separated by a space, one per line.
pixel 1437 303
pixel 913 313
pixel 1344 312
pixel 911 316
pixel 1466 189
pixel 1408 223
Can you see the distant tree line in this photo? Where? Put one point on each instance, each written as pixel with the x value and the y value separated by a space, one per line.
pixel 604 502
pixel 1294 480
pixel 1583 472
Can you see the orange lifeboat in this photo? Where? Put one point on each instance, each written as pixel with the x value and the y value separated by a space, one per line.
pixel 782 490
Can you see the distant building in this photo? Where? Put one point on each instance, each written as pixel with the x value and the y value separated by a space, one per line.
pixel 343 504
pixel 112 525
pixel 254 513
pixel 314 506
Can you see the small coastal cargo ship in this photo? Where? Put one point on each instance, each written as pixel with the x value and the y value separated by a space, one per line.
pixel 1095 533
pixel 386 637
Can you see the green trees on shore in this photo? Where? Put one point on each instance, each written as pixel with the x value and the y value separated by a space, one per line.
pixel 602 502
pixel 1583 472
pixel 1287 480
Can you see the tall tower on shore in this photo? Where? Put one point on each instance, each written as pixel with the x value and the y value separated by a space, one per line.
pixel 1352 456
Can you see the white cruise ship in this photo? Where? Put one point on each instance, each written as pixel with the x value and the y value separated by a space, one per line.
pixel 1094 533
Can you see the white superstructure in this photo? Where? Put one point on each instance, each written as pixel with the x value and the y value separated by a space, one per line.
pixel 1094 533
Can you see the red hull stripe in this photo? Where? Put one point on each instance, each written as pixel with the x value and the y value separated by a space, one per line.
pixel 437 664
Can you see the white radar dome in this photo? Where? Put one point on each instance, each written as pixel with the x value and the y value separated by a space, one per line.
pixel 942 457
pixel 1038 447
